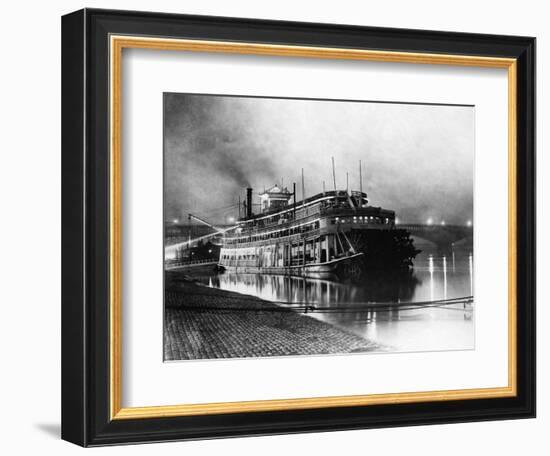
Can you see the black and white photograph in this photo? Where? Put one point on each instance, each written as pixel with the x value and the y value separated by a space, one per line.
pixel 313 227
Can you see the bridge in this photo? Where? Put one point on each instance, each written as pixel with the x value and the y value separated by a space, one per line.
pixel 178 232
pixel 441 235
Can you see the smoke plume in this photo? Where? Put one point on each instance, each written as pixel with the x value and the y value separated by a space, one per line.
pixel 417 159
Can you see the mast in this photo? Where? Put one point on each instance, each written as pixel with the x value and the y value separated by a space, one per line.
pixel 303 188
pixel 347 182
pixel 360 180
pixel 333 174
pixel 294 197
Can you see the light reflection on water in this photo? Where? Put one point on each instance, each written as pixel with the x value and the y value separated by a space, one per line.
pixel 435 276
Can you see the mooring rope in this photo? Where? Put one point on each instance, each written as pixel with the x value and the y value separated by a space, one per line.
pixel 303 307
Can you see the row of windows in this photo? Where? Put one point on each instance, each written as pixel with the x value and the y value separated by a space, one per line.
pixel 360 219
pixel 278 219
pixel 279 234
pixel 232 256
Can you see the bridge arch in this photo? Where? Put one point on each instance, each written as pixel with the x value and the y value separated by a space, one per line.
pixel 440 235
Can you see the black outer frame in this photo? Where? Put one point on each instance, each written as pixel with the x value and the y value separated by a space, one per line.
pixel 85 227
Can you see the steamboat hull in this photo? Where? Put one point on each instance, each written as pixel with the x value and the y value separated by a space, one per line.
pixel 339 269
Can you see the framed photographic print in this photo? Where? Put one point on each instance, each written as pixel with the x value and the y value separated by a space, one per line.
pixel 275 227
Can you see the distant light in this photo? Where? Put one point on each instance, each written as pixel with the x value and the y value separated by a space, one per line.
pixel 443 222
pixel 429 221
pixel 469 223
pixel 209 250
pixel 231 219
pixel 175 221
pixel 396 220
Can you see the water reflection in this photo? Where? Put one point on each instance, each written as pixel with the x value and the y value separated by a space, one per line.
pixel 349 306
pixel 297 291
pixel 470 262
pixel 445 295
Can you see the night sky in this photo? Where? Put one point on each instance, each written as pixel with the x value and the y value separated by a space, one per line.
pixel 417 159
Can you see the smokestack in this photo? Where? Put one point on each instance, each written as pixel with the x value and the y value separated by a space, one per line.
pixel 248 203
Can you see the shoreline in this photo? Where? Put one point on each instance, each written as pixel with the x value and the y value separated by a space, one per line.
pixel 209 323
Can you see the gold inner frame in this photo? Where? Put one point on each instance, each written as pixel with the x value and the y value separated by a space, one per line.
pixel 117 44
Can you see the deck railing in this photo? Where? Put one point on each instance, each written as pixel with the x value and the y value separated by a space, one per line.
pixel 176 263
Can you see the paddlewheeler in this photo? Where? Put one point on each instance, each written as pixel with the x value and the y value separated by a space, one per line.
pixel 332 235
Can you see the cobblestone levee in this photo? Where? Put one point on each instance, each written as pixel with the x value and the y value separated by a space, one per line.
pixel 206 323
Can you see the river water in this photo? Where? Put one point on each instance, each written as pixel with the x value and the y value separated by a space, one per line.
pixel 435 276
